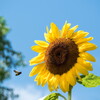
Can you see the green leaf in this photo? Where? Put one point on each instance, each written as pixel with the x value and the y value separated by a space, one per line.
pixel 54 96
pixel 90 80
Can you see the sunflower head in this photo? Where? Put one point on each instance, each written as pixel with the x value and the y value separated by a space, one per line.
pixel 61 53
pixel 62 58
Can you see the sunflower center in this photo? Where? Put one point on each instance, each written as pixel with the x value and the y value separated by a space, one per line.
pixel 61 55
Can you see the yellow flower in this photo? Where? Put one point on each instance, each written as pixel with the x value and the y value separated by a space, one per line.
pixel 62 58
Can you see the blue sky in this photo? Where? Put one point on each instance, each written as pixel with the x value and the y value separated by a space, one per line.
pixel 28 19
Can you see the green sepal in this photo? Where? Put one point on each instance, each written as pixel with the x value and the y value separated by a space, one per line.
pixel 89 80
pixel 54 96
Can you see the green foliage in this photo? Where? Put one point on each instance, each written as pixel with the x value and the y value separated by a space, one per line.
pixel 3 28
pixel 90 80
pixel 4 74
pixel 9 58
pixel 54 96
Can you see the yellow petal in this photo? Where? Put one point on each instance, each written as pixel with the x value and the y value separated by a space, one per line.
pixel 84 40
pixel 86 47
pixel 55 31
pixel 38 48
pixel 40 75
pixel 41 72
pixel 64 85
pixel 48 37
pixel 37 77
pixel 50 84
pixel 41 43
pixel 38 80
pixel 70 78
pixel 50 88
pixel 75 73
pixel 71 31
pixel 35 70
pixel 37 59
pixel 65 30
pixel 79 34
pixel 47 29
pixel 50 76
pixel 85 64
pixel 81 69
pixel 55 81
pixel 87 56
pixel 44 77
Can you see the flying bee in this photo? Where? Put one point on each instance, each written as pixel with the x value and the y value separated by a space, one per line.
pixel 17 72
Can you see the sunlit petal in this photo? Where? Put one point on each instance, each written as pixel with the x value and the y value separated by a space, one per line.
pixel 86 47
pixel 41 43
pixel 65 30
pixel 37 59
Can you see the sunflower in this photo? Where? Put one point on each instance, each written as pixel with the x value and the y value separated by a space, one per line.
pixel 62 58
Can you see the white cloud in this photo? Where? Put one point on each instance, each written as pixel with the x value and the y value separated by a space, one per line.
pixel 29 92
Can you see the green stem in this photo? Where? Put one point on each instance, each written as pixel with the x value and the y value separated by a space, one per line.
pixel 70 93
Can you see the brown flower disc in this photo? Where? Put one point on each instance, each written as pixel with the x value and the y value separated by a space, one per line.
pixel 61 55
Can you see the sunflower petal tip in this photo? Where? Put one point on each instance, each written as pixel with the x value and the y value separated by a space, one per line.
pixel 31 47
pixel 47 29
pixel 77 25
pixel 96 46
pixel 30 64
pixel 35 41
pixel 92 38
pixel 30 75
pixel 94 60
pixel 52 23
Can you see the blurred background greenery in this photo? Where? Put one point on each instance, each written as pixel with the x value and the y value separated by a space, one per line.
pixel 9 58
